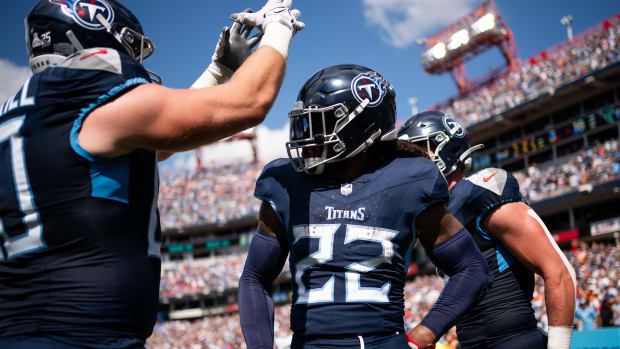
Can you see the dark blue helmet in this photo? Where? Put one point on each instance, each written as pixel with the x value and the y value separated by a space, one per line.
pixel 56 29
pixel 445 139
pixel 340 111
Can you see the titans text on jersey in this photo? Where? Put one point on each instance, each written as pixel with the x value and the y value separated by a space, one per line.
pixel 349 241
pixel 506 308
pixel 79 233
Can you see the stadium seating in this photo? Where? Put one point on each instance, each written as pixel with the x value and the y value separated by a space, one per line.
pixel 537 77
pixel 598 274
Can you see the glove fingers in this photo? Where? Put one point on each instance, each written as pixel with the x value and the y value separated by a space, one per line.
pixel 248 18
pixel 238 28
pixel 299 26
pixel 254 40
pixel 246 31
pixel 221 44
pixel 295 13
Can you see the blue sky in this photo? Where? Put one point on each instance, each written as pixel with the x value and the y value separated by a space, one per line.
pixel 379 34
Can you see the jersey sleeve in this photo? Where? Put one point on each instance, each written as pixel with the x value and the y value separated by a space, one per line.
pixel 430 190
pixel 270 187
pixel 493 187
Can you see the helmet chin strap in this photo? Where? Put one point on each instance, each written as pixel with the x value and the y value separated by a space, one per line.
pixel 463 159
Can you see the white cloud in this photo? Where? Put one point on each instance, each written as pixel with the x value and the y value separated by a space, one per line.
pixel 270 146
pixel 403 21
pixel 12 77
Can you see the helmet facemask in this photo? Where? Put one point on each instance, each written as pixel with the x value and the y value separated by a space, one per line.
pixel 313 136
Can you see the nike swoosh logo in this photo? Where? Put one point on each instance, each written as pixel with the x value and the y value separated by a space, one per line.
pixel 486 179
pixel 93 53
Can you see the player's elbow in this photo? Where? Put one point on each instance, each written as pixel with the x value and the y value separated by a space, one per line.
pixel 260 104
pixel 559 277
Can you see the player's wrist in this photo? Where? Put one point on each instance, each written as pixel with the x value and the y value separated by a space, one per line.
pixel 421 337
pixel 415 345
pixel 559 337
pixel 215 74
pixel 278 36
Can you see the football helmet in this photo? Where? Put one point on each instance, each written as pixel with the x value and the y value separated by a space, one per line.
pixel 56 29
pixel 340 111
pixel 445 139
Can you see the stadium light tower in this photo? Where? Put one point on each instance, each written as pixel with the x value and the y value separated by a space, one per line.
pixel 413 102
pixel 567 20
pixel 478 31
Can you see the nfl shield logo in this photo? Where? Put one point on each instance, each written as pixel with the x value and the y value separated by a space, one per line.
pixel 346 189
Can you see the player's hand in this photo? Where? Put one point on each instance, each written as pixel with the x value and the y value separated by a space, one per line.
pixel 414 345
pixel 234 47
pixel 273 11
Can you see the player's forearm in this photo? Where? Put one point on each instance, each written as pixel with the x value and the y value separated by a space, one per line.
pixel 560 302
pixel 460 258
pixel 560 299
pixel 257 82
pixel 264 263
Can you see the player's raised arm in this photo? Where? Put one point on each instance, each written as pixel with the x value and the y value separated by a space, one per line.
pixel 266 258
pixel 525 235
pixel 159 118
pixel 452 249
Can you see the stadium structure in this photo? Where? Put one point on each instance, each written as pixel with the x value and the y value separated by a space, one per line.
pixel 552 119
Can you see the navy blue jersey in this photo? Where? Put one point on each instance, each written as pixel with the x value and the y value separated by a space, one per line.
pixel 349 241
pixel 80 250
pixel 506 307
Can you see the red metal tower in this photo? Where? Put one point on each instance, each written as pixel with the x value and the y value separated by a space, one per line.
pixel 480 30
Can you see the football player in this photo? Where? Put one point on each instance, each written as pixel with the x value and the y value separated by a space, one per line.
pixel 511 236
pixel 79 227
pixel 347 208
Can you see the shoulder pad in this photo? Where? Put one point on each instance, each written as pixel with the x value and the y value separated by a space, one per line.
pixel 273 178
pixel 493 179
pixel 412 169
pixel 491 187
pixel 97 58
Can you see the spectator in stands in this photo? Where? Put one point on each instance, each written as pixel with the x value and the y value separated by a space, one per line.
pixel 606 315
pixel 540 76
pixel 585 316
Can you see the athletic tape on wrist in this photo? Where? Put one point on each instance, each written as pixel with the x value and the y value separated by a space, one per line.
pixel 215 74
pixel 278 36
pixel 559 337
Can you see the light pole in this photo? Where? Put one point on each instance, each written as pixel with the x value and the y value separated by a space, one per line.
pixel 413 102
pixel 567 20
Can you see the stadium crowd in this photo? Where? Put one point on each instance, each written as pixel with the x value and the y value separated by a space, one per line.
pixel 211 195
pixel 597 269
pixel 210 276
pixel 540 75
pixel 592 166
pixel 598 273
pixel 191 199
pixel 598 164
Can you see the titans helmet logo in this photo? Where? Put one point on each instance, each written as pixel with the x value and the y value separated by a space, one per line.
pixel 84 12
pixel 455 127
pixel 371 86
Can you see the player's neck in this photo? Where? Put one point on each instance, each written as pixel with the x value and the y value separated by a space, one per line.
pixel 351 168
pixel 454 178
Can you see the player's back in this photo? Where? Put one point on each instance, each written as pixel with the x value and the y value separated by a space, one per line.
pixel 506 307
pixel 349 242
pixel 80 260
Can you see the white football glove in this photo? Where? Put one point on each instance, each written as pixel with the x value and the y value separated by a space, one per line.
pixel 277 21
pixel 274 10
pixel 232 49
